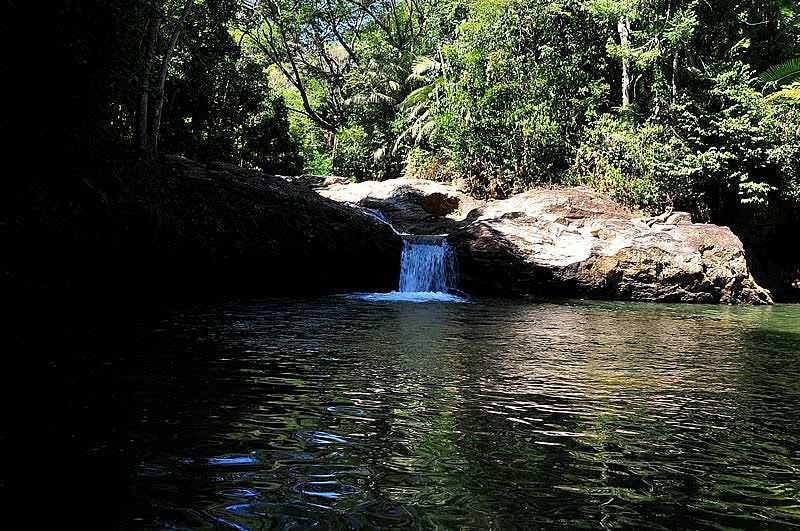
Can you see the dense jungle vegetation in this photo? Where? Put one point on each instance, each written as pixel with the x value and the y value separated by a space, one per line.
pixel 692 104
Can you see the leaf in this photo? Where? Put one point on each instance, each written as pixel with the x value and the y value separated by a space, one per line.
pixel 417 96
pixel 424 65
pixel 781 73
pixel 788 92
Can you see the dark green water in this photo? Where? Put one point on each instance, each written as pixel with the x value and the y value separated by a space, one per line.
pixel 338 413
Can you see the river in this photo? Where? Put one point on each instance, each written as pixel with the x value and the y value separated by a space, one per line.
pixel 338 412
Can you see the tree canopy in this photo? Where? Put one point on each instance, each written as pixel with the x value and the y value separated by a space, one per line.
pixel 683 103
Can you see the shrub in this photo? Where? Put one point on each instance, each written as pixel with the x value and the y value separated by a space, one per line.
pixel 639 167
pixel 422 164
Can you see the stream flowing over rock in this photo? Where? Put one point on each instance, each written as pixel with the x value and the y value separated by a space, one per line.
pixel 415 206
pixel 567 242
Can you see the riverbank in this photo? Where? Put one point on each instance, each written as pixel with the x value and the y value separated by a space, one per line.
pixel 187 229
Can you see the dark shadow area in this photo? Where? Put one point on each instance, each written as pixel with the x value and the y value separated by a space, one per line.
pixel 773 252
pixel 178 226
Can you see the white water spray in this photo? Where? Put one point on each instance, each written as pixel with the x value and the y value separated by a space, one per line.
pixel 427 265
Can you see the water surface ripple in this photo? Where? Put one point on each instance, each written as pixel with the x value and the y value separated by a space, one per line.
pixel 336 413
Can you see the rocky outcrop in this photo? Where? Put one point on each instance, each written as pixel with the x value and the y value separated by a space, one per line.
pixel 179 225
pixel 415 206
pixel 569 242
pixel 576 242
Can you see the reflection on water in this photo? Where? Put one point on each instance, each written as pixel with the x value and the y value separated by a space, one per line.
pixel 344 413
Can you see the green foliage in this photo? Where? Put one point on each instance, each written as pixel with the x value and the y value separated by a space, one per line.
pixel 517 92
pixel 746 148
pixel 418 105
pixel 422 164
pixel 787 94
pixel 267 143
pixel 220 105
pixel 307 135
pixel 614 9
pixel 639 166
pixel 729 148
pixel 785 75
pixel 360 154
pixel 785 72
pixel 502 94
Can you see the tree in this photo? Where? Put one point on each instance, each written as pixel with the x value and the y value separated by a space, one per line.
pixel 164 18
pixel 419 103
pixel 322 40
pixel 648 31
pixel 220 101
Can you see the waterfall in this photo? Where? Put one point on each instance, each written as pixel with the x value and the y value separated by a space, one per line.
pixel 427 265
pixel 427 269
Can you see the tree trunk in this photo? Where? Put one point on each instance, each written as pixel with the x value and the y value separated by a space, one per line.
pixel 674 76
pixel 624 29
pixel 162 78
pixel 142 136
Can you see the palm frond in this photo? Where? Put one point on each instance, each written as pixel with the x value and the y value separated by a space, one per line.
pixel 782 73
pixel 419 102
pixel 416 96
pixel 400 139
pixel 424 65
pixel 377 97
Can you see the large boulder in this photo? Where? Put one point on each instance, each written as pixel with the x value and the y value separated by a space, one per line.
pixel 576 242
pixel 179 225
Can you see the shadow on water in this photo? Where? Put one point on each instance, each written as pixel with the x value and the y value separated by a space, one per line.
pixel 344 413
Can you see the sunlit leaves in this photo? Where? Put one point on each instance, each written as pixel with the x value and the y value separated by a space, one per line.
pixel 614 9
pixel 790 93
pixel 682 26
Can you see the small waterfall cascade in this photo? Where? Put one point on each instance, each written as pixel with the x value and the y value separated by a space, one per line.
pixel 427 265
pixel 428 271
pixel 378 216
